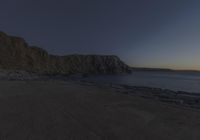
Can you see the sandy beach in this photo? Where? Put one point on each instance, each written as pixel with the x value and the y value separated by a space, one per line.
pixel 58 110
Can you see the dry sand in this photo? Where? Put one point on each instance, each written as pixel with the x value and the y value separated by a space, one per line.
pixel 55 110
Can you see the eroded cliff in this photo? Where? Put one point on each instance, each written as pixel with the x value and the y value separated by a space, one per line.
pixel 16 54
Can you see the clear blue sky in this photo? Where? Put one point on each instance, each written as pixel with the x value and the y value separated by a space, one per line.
pixel 144 33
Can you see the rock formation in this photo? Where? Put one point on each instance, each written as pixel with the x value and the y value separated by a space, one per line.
pixel 16 54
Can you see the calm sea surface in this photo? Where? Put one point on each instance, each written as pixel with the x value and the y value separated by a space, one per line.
pixel 178 81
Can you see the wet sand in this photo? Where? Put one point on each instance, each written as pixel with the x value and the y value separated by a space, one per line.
pixel 58 110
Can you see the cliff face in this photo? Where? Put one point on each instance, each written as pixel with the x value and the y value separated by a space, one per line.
pixel 15 54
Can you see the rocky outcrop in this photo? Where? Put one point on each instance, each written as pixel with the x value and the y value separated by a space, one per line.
pixel 15 54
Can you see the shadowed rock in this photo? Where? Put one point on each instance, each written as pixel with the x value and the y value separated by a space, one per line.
pixel 15 54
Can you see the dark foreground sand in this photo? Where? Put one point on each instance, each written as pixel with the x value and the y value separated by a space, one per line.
pixel 58 110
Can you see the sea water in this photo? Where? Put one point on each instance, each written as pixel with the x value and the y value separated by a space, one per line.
pixel 178 81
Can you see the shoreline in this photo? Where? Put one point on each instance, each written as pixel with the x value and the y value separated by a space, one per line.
pixel 181 98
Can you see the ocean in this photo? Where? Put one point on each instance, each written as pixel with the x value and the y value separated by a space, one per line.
pixel 177 81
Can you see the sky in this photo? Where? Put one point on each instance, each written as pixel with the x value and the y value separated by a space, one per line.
pixel 143 33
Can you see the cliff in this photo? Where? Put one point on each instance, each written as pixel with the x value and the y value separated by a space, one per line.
pixel 16 54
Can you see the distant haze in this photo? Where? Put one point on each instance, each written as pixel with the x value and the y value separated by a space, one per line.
pixel 144 33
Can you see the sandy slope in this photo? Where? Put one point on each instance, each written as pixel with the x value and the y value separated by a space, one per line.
pixel 67 111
